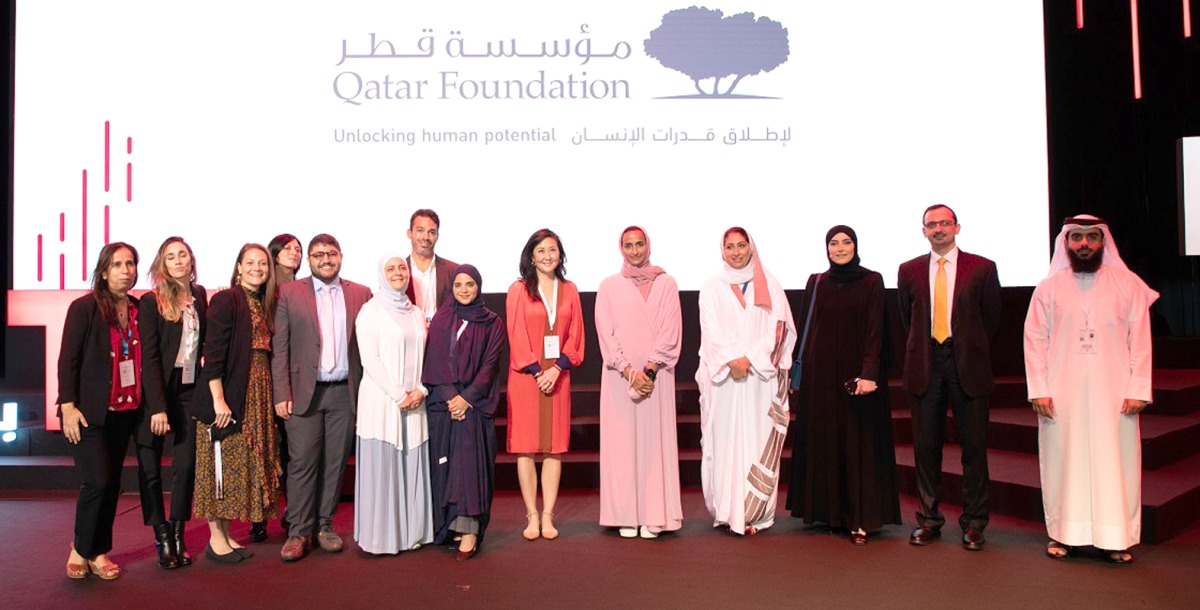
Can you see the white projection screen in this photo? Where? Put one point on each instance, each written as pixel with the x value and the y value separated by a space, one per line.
pixel 1190 195
pixel 229 122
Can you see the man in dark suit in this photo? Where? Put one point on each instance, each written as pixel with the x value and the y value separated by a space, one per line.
pixel 950 306
pixel 316 368
pixel 431 276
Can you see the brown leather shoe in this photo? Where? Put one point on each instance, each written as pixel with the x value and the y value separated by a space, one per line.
pixel 294 549
pixel 329 540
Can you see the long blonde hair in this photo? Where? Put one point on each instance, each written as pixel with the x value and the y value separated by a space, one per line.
pixel 172 294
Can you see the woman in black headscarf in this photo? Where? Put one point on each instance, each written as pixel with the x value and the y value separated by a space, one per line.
pixel 462 374
pixel 844 461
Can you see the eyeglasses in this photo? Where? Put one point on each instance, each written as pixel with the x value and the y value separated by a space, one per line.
pixel 945 224
pixel 331 254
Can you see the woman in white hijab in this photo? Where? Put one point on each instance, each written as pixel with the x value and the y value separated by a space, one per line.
pixel 746 337
pixel 392 506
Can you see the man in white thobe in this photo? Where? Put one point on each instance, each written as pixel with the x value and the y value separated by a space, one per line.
pixel 1087 365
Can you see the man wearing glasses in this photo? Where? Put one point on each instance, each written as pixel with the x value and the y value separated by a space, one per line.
pixel 315 368
pixel 950 306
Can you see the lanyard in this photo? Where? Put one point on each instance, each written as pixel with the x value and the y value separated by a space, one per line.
pixel 551 305
pixel 745 285
pixel 126 336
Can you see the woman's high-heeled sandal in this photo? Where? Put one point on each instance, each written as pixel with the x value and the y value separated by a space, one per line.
pixel 111 571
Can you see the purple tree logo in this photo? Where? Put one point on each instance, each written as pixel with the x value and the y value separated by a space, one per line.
pixel 702 43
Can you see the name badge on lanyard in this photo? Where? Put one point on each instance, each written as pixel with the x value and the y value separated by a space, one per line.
pixel 125 370
pixel 550 347
pixel 189 372
pixel 1087 341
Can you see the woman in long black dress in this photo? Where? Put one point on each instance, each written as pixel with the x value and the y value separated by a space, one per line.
pixel 462 373
pixel 844 461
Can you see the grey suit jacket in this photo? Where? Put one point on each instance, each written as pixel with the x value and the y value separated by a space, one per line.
pixel 296 344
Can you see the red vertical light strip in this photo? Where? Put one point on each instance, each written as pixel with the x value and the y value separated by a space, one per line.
pixel 83 232
pixel 1137 54
pixel 62 226
pixel 1187 18
pixel 62 271
pixel 1079 14
pixel 39 257
pixel 106 156
pixel 106 225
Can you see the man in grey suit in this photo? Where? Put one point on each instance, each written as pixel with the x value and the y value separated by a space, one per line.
pixel 316 368
pixel 431 275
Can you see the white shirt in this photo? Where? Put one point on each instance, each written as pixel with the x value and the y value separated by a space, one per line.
pixel 951 271
pixel 189 341
pixel 425 288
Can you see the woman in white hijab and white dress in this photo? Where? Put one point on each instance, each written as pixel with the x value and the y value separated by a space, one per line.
pixel 392 504
pixel 746 338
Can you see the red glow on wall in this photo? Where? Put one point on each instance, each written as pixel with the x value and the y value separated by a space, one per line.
pixel 128 182
pixel 1187 18
pixel 106 225
pixel 62 227
pixel 1079 14
pixel 1137 55
pixel 62 271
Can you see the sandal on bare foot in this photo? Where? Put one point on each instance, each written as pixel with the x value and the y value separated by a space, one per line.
pixel 110 571
pixel 1058 550
pixel 549 532
pixel 76 571
pixel 532 531
pixel 1118 557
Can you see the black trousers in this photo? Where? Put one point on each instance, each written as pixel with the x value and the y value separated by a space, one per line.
pixel 183 459
pixel 929 432
pixel 99 456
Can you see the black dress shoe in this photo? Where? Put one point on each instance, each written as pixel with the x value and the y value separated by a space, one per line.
pixel 972 539
pixel 258 531
pixel 924 536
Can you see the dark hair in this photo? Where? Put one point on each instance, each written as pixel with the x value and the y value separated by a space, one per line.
pixel 937 206
pixel 104 297
pixel 427 213
pixel 323 239
pixel 278 243
pixel 267 291
pixel 632 228
pixel 529 270
pixel 731 231
pixel 171 293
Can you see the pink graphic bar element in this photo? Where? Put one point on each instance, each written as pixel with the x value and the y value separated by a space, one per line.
pixel 83 224
pixel 106 225
pixel 62 226
pixel 1137 53
pixel 62 271
pixel 129 171
pixel 1187 18
pixel 106 156
pixel 39 257
pixel 1079 14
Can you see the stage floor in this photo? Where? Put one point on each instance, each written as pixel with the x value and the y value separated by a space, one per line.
pixel 790 565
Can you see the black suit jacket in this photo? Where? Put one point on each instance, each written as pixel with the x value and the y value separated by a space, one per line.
pixel 227 350
pixel 160 345
pixel 85 362
pixel 974 319
pixel 444 281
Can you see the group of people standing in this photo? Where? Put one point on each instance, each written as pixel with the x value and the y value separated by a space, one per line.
pixel 272 383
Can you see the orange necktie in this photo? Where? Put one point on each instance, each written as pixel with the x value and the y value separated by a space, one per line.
pixel 941 319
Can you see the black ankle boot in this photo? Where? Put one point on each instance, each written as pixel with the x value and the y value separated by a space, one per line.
pixel 258 531
pixel 181 552
pixel 166 550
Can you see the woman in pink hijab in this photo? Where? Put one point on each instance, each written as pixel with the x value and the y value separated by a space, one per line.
pixel 639 327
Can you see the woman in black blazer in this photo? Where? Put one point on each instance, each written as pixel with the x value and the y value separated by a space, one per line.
pixel 171 318
pixel 99 398
pixel 237 450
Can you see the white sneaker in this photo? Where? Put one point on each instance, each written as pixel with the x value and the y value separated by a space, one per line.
pixel 629 532
pixel 645 532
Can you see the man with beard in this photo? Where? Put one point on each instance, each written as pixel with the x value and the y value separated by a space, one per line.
pixel 1087 366
pixel 950 306
pixel 315 367
pixel 431 276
